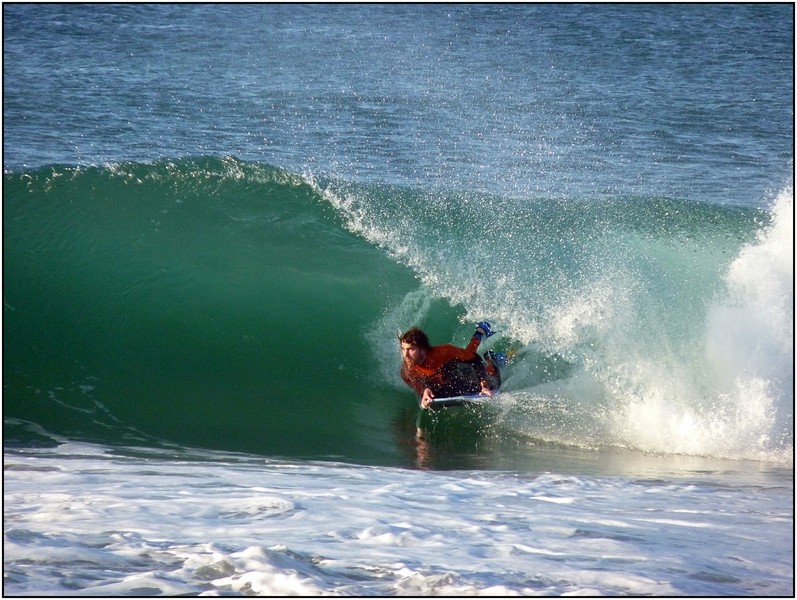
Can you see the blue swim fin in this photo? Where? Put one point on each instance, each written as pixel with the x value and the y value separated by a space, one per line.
pixel 483 330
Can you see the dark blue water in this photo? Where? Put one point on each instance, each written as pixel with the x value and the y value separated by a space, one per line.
pixel 557 100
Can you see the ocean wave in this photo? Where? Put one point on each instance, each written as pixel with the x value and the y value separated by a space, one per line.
pixel 239 306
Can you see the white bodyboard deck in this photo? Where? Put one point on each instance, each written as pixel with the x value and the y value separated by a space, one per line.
pixel 468 400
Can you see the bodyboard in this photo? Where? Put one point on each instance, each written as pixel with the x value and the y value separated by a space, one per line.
pixel 467 400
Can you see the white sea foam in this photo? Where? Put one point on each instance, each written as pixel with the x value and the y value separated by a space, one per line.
pixel 725 390
pixel 733 397
pixel 750 329
pixel 85 520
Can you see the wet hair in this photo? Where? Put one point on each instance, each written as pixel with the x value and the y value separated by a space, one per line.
pixel 415 337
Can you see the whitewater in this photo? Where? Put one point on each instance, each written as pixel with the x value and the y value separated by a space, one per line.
pixel 122 522
pixel 217 219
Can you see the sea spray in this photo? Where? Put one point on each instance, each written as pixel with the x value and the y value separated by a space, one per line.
pixel 722 387
pixel 609 301
pixel 750 336
pixel 733 396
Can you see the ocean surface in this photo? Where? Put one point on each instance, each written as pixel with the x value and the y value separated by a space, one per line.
pixel 217 218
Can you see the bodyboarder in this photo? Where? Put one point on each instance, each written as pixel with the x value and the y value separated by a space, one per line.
pixel 446 370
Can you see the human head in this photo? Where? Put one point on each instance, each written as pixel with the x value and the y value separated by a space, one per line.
pixel 415 337
pixel 414 346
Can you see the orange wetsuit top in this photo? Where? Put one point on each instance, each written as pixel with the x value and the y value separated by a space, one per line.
pixel 448 371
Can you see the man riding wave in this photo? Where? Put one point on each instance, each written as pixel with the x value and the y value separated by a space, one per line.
pixel 446 370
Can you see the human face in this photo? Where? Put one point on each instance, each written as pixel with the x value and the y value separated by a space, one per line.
pixel 412 354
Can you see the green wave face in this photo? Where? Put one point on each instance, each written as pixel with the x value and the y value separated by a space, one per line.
pixel 233 305
pixel 200 301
